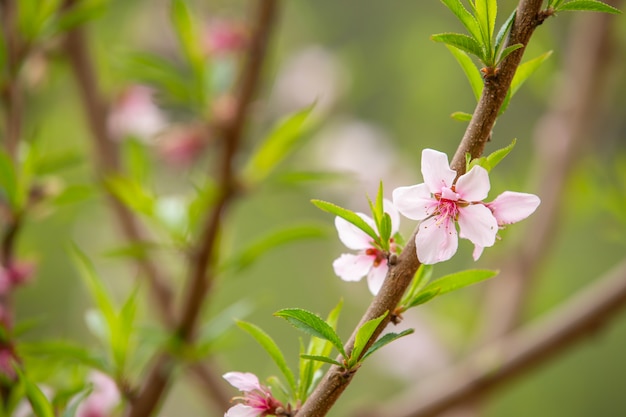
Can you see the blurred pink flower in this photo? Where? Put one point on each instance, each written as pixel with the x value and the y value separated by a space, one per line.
pixel 257 400
pixel 223 37
pixel 182 145
pixel 440 202
pixel 18 273
pixel 102 400
pixel 135 114
pixel 7 360
pixel 370 261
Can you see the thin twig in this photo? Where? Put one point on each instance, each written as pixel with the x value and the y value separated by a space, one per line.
pixel 201 264
pixel 11 92
pixel 335 381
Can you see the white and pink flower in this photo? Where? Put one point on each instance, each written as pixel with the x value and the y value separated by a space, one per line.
pixel 257 400
pixel 442 200
pixel 371 260
pixel 104 398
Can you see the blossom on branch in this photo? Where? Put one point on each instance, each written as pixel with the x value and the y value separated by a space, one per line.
pixel 257 400
pixel 371 260
pixel 442 200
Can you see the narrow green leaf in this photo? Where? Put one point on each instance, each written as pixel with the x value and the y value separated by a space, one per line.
pixel 385 340
pixel 8 179
pixel 422 298
pixel 486 11
pixel 132 194
pixel 588 5
pixel 136 160
pixel 472 73
pixel 188 35
pixel 64 352
pixel 497 156
pixel 38 401
pixel 385 230
pixel 347 215
pixel 507 51
pixel 461 116
pixel 73 405
pixel 458 280
pixel 421 278
pixel 462 42
pixel 504 29
pixel 324 359
pixel 466 18
pixel 525 70
pixel 363 336
pixel 281 141
pixel 260 247
pixel 312 324
pixel 271 348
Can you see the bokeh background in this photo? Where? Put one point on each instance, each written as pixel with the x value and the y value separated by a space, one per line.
pixel 383 92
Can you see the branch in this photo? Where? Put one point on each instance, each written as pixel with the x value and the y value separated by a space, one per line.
pixel 201 264
pixel 399 276
pixel 11 92
pixel 520 352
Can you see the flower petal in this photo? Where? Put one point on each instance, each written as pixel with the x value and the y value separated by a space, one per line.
pixel 390 209
pixel 478 250
pixel 436 170
pixel 351 267
pixel 511 207
pixel 473 185
pixel 414 202
pixel 352 236
pixel 478 224
pixel 243 381
pixel 241 410
pixel 376 277
pixel 436 242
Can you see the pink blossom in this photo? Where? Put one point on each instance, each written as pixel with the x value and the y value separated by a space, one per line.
pixel 15 274
pixel 223 37
pixel 257 400
pixel 102 400
pixel 135 114
pixel 441 201
pixel 370 261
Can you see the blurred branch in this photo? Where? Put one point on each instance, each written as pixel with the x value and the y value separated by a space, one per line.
pixel 560 137
pixel 11 91
pixel 201 263
pixel 335 381
pixel 519 352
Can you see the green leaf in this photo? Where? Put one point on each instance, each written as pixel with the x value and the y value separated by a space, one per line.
pixel 73 405
pixel 421 278
pixel 422 298
pixel 508 50
pixel 486 11
pixel 312 324
pixel 469 21
pixel 64 351
pixel 588 5
pixel 79 13
pixel 132 194
pixel 458 280
pixel 461 116
pixel 363 336
pixel 38 401
pixel 504 29
pixel 324 359
pixel 385 340
pixel 52 163
pixel 471 72
pixel 8 179
pixel 525 70
pixel 496 157
pixel 260 247
pixel 280 142
pixel 136 160
pixel 74 194
pixel 347 215
pixel 188 35
pixel 385 230
pixel 271 348
pixel 462 42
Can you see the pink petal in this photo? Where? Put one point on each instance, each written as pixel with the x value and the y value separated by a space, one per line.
pixel 414 202
pixel 376 277
pixel 243 381
pixel 436 242
pixel 478 225
pixel 350 267
pixel 436 170
pixel 473 185
pixel 390 209
pixel 478 250
pixel 352 236
pixel 241 410
pixel 511 207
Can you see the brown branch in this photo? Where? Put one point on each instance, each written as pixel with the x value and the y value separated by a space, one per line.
pixel 335 381
pixel 520 352
pixel 11 92
pixel 560 137
pixel 201 263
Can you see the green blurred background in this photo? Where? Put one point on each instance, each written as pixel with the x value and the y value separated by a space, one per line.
pixel 384 91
